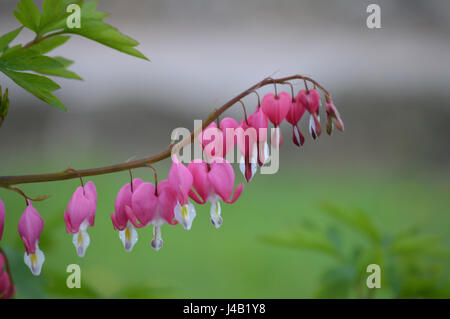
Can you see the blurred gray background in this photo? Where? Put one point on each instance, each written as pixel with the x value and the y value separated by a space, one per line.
pixel 391 84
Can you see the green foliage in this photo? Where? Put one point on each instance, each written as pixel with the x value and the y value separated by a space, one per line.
pixel 305 236
pixel 50 26
pixel 414 265
pixel 4 105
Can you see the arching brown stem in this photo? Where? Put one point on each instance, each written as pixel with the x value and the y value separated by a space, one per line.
pixel 7 181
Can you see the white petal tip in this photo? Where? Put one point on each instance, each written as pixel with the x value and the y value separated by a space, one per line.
pixel 129 237
pixel 35 261
pixel 156 244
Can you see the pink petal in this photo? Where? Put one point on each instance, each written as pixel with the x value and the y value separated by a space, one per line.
pixel 30 228
pixel 132 217
pixel 167 199
pixel 200 174
pixel 296 111
pixel 91 191
pixel 236 195
pixel 276 108
pixel 81 207
pixel 258 120
pixel 144 203
pixel 5 283
pixel 247 136
pixel 180 179
pixel 196 198
pixel 222 178
pixel 69 228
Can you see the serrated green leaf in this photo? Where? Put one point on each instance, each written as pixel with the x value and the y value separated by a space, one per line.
pixel 7 38
pixel 39 86
pixel 11 50
pixel 92 27
pixel 356 219
pixel 30 64
pixel 61 72
pixel 28 14
pixel 52 11
pixel 50 44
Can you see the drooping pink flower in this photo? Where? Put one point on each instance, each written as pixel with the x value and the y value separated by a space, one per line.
pixel 2 218
pixel 7 289
pixel 124 220
pixel 333 116
pixel 259 122
pixel 180 179
pixel 276 109
pixel 294 115
pixel 218 141
pixel 247 140
pixel 310 100
pixel 80 214
pixel 30 229
pixel 155 206
pixel 214 182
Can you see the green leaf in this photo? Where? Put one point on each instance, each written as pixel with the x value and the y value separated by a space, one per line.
pixel 12 50
pixel 304 238
pixel 6 39
pixel 50 44
pixel 356 219
pixel 61 72
pixel 92 27
pixel 53 11
pixel 4 105
pixel 336 282
pixel 28 14
pixel 30 63
pixel 39 86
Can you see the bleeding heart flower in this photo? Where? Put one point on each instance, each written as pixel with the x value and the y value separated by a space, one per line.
pixel 276 108
pixel 248 145
pixel 80 214
pixel 258 121
pixel 2 218
pixel 294 115
pixel 155 206
pixel 311 102
pixel 180 179
pixel 213 182
pixel 218 141
pixel 7 289
pixel 30 229
pixel 124 219
pixel 333 116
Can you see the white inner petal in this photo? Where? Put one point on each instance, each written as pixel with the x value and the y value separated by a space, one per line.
pixel 216 218
pixel 242 165
pixel 35 261
pixel 128 236
pixel 81 241
pixel 266 152
pixel 297 135
pixel 185 215
pixel 312 125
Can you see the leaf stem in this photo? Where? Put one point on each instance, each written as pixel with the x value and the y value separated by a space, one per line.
pixel 38 39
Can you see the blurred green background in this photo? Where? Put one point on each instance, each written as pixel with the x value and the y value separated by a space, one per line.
pixel 240 259
pixel 379 193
